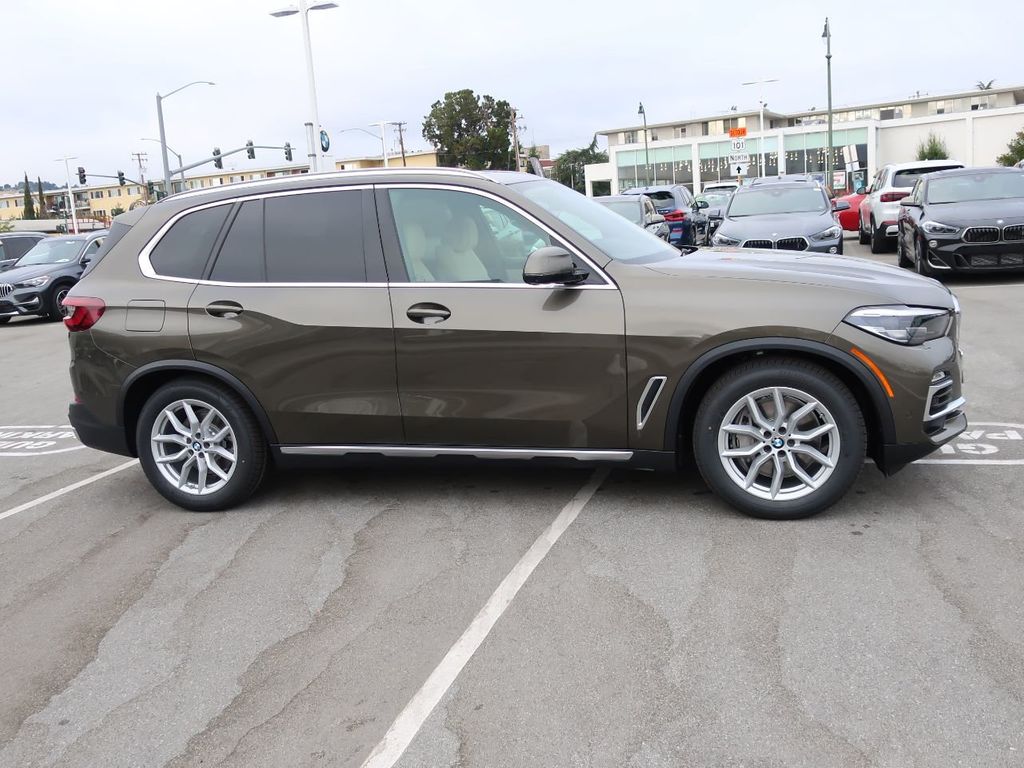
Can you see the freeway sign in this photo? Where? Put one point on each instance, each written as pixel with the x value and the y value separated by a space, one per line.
pixel 739 145
pixel 739 158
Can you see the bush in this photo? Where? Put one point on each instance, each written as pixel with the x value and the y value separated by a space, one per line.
pixel 932 148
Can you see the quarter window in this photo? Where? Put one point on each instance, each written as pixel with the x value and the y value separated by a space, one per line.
pixel 315 238
pixel 185 248
pixel 459 237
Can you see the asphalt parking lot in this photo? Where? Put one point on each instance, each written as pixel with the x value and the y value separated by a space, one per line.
pixel 558 617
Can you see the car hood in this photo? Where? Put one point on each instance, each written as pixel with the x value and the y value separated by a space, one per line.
pixel 884 283
pixel 20 274
pixel 776 226
pixel 978 212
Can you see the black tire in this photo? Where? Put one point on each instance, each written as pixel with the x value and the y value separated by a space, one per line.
pixel 901 254
pixel 250 445
pixel 877 239
pixel 4 320
pixel 54 309
pixel 797 374
pixel 862 236
pixel 921 260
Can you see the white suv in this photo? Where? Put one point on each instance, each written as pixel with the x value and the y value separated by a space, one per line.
pixel 880 209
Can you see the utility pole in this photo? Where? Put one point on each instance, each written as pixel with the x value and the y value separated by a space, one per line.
pixel 71 197
pixel 401 140
pixel 827 34
pixel 647 151
pixel 515 140
pixel 140 158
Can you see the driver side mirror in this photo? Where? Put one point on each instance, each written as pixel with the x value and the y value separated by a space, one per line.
pixel 552 264
pixel 656 219
pixel 862 190
pixel 840 205
pixel 84 261
pixel 906 202
pixel 699 205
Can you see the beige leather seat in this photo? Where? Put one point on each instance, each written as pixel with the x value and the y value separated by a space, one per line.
pixel 414 248
pixel 457 262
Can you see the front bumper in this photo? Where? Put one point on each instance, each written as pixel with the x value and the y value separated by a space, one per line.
pixel 22 302
pixel 959 256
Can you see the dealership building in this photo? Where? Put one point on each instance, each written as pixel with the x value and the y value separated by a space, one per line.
pixel 974 125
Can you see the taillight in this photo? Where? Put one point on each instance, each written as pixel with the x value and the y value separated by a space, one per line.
pixel 83 312
pixel 675 216
pixel 892 197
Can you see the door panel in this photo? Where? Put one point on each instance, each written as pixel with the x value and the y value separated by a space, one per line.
pixel 319 359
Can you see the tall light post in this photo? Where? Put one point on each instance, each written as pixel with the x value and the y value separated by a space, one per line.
pixel 312 128
pixel 160 121
pixel 379 124
pixel 647 150
pixel 71 197
pixel 827 37
pixel 761 133
pixel 177 155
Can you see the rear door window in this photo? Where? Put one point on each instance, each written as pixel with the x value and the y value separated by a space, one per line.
pixel 315 238
pixel 240 259
pixel 185 248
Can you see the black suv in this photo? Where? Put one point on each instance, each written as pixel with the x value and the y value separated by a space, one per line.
pixel 14 245
pixel 39 281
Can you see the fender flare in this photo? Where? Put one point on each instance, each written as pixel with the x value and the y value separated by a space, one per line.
pixel 212 371
pixel 879 400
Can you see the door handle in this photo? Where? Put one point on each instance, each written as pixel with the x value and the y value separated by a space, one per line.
pixel 226 309
pixel 428 313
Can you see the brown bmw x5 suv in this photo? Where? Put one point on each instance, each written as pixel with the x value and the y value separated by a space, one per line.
pixel 501 316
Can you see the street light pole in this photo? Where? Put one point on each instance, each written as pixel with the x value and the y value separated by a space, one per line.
pixel 761 133
pixel 71 197
pixel 647 151
pixel 313 128
pixel 176 154
pixel 383 144
pixel 160 120
pixel 827 35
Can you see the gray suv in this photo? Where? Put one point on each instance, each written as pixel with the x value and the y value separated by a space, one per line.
pixel 440 313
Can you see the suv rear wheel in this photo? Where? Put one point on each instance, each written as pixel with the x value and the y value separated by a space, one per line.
pixel 780 438
pixel 877 239
pixel 862 236
pixel 200 446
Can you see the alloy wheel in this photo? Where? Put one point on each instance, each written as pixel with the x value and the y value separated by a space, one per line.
pixel 779 444
pixel 194 447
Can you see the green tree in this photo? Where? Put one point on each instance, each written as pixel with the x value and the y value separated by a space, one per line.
pixel 5 225
pixel 568 167
pixel 932 148
pixel 470 131
pixel 42 212
pixel 116 211
pixel 29 211
pixel 1014 150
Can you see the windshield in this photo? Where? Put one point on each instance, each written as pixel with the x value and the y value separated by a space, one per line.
pixel 767 200
pixel 976 186
pixel 716 199
pixel 628 209
pixel 607 231
pixel 52 251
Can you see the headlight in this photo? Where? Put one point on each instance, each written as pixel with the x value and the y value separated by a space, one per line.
pixel 35 282
pixel 937 228
pixel 903 325
pixel 831 233
pixel 720 239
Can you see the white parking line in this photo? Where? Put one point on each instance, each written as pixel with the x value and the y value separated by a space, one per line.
pixel 411 719
pixel 67 489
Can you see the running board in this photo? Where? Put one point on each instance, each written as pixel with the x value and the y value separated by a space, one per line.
pixel 427 451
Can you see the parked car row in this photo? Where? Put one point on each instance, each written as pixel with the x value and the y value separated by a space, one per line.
pixel 38 282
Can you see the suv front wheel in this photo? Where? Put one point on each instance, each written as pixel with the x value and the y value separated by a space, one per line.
pixel 200 446
pixel 779 438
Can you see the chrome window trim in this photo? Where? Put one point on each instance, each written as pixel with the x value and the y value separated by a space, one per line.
pixel 427 451
pixel 146 266
pixel 607 284
pixel 641 416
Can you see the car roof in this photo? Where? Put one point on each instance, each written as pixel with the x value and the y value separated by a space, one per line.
pixel 922 164
pixel 972 171
pixel 617 198
pixel 22 234
pixel 656 188
pixel 778 185
pixel 83 235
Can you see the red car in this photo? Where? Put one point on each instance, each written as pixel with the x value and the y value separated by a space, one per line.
pixel 848 218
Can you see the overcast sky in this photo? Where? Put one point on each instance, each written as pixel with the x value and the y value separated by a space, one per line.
pixel 80 78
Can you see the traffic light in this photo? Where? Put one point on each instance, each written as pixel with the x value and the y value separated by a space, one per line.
pixel 217 162
pixel 250 152
pixel 120 178
pixel 81 175
pixel 288 151
pixel 149 188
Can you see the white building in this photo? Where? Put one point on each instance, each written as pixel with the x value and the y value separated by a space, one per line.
pixel 975 126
